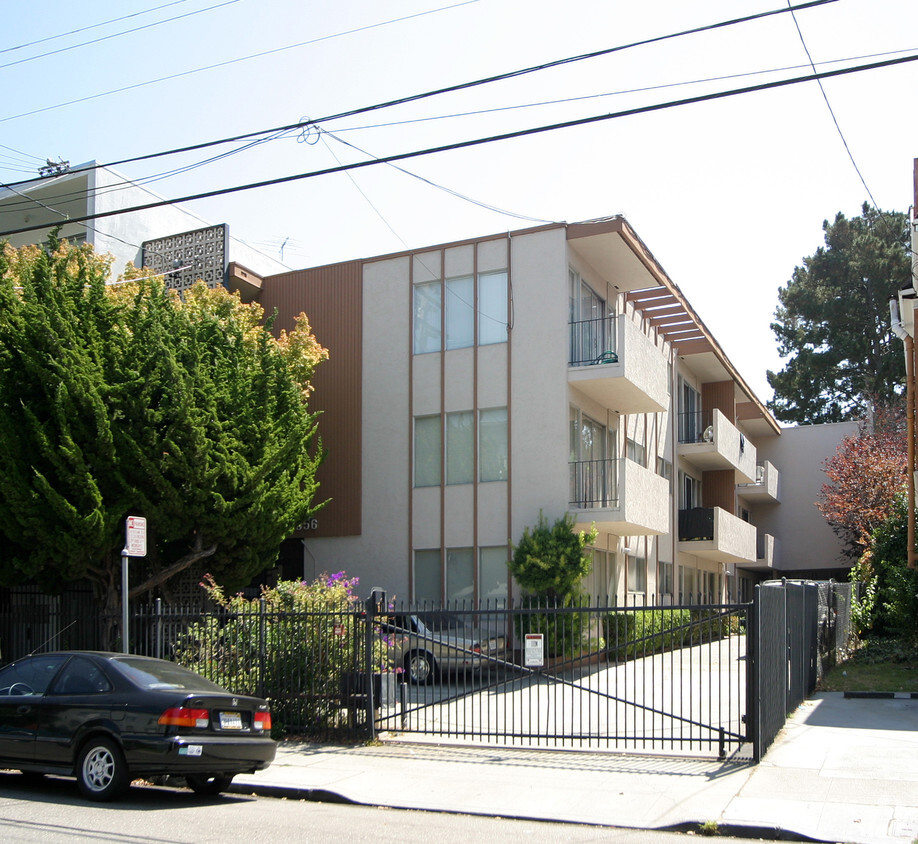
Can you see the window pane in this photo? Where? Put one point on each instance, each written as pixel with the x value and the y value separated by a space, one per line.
pixel 460 573
pixel 460 448
pixel 428 577
pixel 460 313
pixel 492 308
pixel 427 451
pixel 427 317
pixel 637 574
pixel 492 574
pixel 493 445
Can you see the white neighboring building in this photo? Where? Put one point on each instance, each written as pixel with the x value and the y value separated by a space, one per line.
pixel 474 385
pixel 174 236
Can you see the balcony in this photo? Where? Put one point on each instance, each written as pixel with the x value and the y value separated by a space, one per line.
pixel 709 441
pixel 765 488
pixel 620 497
pixel 614 363
pixel 767 555
pixel 715 534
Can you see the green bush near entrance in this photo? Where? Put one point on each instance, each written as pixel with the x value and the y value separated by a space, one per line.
pixel 637 633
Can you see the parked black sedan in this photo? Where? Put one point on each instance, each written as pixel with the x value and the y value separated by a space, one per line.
pixel 107 718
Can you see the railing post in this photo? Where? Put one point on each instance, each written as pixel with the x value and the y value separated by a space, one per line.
pixel 262 646
pixel 159 628
pixel 377 598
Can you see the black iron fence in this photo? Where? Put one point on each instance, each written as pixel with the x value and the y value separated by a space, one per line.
pixel 798 630
pixel 685 678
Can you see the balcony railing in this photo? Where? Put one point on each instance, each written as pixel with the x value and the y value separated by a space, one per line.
pixel 593 341
pixel 594 484
pixel 692 425
pixel 696 523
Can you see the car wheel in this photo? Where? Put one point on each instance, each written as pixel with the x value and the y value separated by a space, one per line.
pixel 208 783
pixel 102 773
pixel 420 667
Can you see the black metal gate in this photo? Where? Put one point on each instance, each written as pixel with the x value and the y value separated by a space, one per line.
pixel 638 678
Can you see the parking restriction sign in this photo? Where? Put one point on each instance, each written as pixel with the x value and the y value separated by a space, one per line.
pixel 135 537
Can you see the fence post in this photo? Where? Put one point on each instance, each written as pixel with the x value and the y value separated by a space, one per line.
pixel 159 628
pixel 262 647
pixel 377 598
pixel 753 675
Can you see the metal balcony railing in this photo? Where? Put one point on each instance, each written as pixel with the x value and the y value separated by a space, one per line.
pixel 594 483
pixel 693 424
pixel 593 341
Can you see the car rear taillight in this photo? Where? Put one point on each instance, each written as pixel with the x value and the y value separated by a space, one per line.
pixel 181 716
pixel 262 721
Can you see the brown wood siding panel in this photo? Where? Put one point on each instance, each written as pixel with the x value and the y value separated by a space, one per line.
pixel 719 395
pixel 718 489
pixel 332 299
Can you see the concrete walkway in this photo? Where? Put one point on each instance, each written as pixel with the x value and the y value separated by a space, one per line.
pixel 841 770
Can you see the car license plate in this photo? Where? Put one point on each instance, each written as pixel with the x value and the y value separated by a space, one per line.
pixel 230 721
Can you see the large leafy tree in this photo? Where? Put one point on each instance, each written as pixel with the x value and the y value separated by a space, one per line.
pixel 118 400
pixel 865 476
pixel 833 321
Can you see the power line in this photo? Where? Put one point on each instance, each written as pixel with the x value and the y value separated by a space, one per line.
pixel 90 26
pixel 584 121
pixel 426 95
pixel 825 97
pixel 238 60
pixel 118 34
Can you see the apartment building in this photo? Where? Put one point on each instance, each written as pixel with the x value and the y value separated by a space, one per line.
pixel 477 385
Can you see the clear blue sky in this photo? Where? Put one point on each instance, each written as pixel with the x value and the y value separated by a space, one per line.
pixel 729 195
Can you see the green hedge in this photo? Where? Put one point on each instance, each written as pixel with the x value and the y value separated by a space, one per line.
pixel 641 633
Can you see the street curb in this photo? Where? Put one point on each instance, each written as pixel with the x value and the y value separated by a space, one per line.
pixel 882 695
pixel 321 795
pixel 290 792
pixel 734 830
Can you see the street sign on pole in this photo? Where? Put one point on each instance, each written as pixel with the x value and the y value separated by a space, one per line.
pixel 135 545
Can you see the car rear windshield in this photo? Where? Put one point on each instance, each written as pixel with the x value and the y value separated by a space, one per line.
pixel 153 674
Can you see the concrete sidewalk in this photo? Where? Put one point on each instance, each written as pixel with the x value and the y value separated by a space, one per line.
pixel 841 770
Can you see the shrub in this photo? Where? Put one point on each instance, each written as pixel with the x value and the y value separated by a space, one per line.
pixel 294 645
pixel 639 633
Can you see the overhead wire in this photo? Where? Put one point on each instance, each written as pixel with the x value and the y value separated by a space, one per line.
pixel 520 133
pixel 424 95
pixel 825 98
pixel 882 215
pixel 90 26
pixel 117 34
pixel 229 62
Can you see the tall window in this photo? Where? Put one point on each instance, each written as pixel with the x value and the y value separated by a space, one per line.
pixel 460 574
pixel 492 445
pixel 492 308
pixel 427 451
pixel 664 578
pixel 637 574
pixel 460 447
pixel 592 326
pixel 428 575
pixel 492 573
pixel 427 317
pixel 460 312
pixel 689 491
pixel 689 412
pixel 593 478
